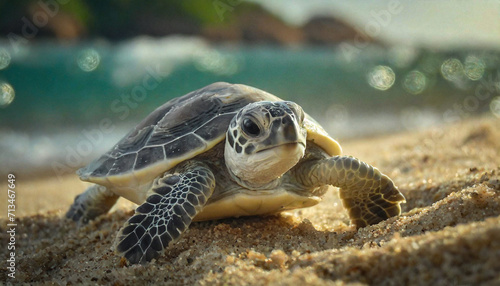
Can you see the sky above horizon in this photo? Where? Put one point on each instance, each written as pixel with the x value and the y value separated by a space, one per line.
pixel 432 24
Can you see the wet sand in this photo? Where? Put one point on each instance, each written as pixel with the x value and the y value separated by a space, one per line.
pixel 448 233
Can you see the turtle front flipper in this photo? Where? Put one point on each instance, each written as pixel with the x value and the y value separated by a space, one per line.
pixel 173 202
pixel 367 194
pixel 95 201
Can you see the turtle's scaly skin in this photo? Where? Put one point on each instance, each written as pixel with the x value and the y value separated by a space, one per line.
pixel 169 209
pixel 368 195
pixel 95 201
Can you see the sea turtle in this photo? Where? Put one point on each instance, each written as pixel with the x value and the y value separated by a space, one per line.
pixel 225 150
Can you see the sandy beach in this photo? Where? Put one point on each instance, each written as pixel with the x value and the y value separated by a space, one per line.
pixel 448 233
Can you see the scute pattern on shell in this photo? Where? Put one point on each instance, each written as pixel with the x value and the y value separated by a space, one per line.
pixel 178 127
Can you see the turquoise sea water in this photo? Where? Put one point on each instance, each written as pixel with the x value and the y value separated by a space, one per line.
pixel 79 99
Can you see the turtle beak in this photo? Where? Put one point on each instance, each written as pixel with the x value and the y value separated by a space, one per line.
pixel 285 131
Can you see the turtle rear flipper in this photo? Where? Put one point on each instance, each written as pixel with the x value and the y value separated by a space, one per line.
pixel 368 195
pixel 173 202
pixel 95 201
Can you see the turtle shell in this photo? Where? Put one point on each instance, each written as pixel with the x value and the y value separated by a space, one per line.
pixel 179 130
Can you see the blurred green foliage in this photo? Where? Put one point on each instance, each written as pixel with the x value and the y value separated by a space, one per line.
pixel 124 18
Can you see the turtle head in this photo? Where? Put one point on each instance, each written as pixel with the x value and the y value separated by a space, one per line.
pixel 264 140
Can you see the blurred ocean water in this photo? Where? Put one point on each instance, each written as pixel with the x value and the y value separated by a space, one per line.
pixel 63 105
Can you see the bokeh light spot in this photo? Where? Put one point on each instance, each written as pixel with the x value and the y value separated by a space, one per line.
pixel 4 59
pixel 495 106
pixel 7 94
pixel 88 60
pixel 381 77
pixel 214 62
pixel 415 82
pixel 452 69
pixel 474 67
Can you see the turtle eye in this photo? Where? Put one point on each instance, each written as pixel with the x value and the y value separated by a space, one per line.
pixel 250 127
